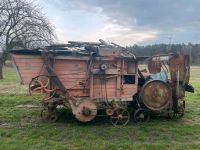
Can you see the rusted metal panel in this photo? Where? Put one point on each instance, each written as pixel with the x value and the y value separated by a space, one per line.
pixel 156 95
pixel 179 68
pixel 154 66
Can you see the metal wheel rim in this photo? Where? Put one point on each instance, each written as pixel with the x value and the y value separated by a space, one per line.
pixel 116 121
pixel 141 115
pixel 43 96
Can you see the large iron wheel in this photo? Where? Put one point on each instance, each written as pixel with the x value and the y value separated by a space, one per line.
pixel 141 115
pixel 40 88
pixel 120 116
pixel 48 115
pixel 179 114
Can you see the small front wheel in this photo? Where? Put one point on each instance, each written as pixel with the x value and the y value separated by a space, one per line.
pixel 141 115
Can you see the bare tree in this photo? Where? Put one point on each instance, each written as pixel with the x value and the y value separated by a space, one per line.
pixel 22 25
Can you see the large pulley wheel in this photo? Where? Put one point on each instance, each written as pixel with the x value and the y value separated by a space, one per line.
pixel 120 116
pixel 156 95
pixel 40 88
pixel 86 111
pixel 141 115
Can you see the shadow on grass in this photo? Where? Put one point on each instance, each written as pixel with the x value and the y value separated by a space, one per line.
pixel 65 116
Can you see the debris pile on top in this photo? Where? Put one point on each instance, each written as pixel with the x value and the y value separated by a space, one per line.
pixel 101 48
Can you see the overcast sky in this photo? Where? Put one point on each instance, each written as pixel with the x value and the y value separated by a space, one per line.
pixel 125 22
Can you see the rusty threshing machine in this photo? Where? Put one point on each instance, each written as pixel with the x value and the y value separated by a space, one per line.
pixel 93 76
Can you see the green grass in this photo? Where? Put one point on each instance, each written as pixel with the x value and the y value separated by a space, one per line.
pixel 21 128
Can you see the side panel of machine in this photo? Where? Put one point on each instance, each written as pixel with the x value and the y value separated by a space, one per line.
pixel 129 79
pixel 73 75
pixel 119 80
pixel 28 66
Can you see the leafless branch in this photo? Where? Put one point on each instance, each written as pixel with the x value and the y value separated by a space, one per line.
pixel 22 20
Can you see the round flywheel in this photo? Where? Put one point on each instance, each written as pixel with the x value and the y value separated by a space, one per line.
pixel 86 111
pixel 156 95
pixel 40 88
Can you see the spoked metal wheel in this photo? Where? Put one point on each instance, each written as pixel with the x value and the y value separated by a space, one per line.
pixel 40 88
pixel 120 116
pixel 141 115
pixel 48 115
pixel 179 114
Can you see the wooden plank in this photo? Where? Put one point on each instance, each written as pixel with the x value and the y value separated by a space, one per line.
pixel 73 83
pixel 110 64
pixel 80 93
pixel 91 86
pixel 84 58
pixel 73 76
pixel 129 90
pixel 118 88
pixel 99 90
pixel 107 71
pixel 29 61
pixel 27 57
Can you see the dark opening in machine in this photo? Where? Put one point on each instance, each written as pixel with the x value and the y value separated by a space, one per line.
pixel 128 79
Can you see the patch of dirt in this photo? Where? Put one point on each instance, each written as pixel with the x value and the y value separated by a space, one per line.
pixel 33 121
pixel 13 89
pixel 8 124
pixel 28 106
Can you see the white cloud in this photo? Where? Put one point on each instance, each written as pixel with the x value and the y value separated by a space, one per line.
pixel 110 32
pixel 126 35
pixel 126 23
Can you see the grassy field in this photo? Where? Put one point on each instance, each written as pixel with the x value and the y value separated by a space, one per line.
pixel 21 127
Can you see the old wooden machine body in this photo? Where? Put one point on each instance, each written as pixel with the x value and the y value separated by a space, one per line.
pixel 101 76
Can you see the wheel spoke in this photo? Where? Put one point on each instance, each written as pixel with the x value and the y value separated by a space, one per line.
pixel 47 83
pixel 120 117
pixel 40 85
pixel 38 88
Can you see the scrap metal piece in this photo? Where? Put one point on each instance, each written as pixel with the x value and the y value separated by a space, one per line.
pixel 154 66
pixel 179 64
pixel 156 95
pixel 155 63
pixel 79 43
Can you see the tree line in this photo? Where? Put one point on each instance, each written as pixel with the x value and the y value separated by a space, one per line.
pixel 192 49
